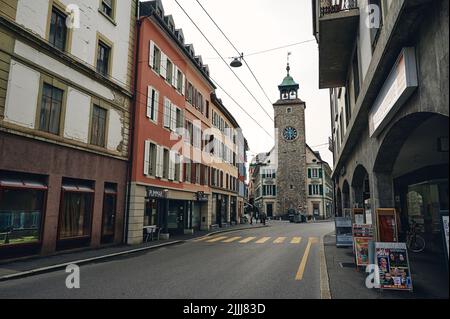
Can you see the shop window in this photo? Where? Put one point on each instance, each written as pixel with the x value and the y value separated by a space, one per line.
pixel 58 30
pixel 151 212
pixel 76 209
pixel 21 210
pixel 98 128
pixel 51 106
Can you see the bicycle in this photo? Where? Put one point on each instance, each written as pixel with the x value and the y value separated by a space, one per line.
pixel 414 241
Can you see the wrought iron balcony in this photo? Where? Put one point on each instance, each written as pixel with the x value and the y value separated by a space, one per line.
pixel 335 27
pixel 329 6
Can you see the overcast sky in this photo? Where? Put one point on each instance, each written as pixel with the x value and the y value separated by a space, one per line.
pixel 253 26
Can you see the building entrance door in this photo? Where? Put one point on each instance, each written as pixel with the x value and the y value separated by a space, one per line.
pixel 176 217
pixel 269 210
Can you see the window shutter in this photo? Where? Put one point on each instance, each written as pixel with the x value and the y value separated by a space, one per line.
pixel 167 112
pixel 163 68
pixel 321 189
pixel 149 102
pixel 146 157
pixel 180 158
pixel 173 117
pixel 156 106
pixel 172 165
pixel 320 173
pixel 183 81
pixel 151 56
pixel 310 189
pixel 309 173
pixel 159 161
pixel 175 76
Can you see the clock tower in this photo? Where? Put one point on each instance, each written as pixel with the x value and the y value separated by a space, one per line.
pixel 290 147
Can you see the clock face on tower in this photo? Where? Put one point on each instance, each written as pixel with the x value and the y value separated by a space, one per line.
pixel 290 133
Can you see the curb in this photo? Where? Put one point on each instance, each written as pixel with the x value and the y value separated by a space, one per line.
pixel 325 292
pixel 47 269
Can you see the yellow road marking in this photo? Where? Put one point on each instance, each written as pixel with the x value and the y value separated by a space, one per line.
pixel 216 239
pixel 230 240
pixel 279 240
pixel 301 268
pixel 296 240
pixel 205 238
pixel 262 240
pixel 246 240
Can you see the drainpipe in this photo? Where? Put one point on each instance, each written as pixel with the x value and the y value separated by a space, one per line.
pixel 132 118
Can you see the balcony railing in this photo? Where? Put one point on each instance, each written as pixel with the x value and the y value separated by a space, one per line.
pixel 334 6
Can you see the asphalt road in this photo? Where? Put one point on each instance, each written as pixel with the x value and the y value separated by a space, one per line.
pixel 277 262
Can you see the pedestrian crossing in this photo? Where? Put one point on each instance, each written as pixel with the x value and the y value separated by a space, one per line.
pixel 277 240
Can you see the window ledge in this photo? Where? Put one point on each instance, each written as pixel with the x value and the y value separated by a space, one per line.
pixel 108 17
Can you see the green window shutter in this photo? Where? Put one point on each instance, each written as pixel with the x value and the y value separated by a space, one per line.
pixel 309 173
pixel 310 189
pixel 320 173
pixel 321 189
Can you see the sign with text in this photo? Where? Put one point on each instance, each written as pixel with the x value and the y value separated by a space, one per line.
pixel 358 215
pixel 362 235
pixel 398 87
pixel 156 192
pixel 393 266
pixel 343 232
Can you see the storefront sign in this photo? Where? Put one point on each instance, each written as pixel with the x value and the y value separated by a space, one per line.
pixel 201 197
pixel 156 193
pixel 387 225
pixel 398 87
pixel 358 216
pixel 343 232
pixel 393 266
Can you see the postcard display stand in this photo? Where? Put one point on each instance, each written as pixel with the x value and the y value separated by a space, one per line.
pixel 393 263
pixel 390 255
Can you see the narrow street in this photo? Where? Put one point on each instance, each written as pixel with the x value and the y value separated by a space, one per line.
pixel 273 262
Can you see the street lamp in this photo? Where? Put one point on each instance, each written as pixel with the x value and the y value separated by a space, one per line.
pixel 237 61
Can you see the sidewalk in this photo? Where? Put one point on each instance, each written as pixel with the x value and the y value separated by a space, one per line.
pixel 38 264
pixel 430 281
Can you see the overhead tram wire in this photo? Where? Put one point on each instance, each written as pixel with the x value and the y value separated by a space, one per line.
pixel 214 48
pixel 279 48
pixel 238 52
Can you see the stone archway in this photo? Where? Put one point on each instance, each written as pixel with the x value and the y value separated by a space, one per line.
pixel 338 203
pixel 346 201
pixel 360 186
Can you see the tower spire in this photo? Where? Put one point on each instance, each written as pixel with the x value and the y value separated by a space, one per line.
pixel 288 68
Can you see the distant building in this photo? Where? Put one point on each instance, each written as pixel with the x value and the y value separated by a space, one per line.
pixel 319 185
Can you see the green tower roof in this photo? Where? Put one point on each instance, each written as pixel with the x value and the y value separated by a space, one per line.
pixel 288 81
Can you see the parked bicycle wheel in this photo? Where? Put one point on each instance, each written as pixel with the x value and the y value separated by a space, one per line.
pixel 416 244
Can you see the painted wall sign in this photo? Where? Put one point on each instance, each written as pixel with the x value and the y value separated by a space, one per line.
pixel 398 87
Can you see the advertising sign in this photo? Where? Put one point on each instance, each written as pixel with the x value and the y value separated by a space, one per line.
pixel 398 87
pixel 393 266
pixel 362 235
pixel 343 232
pixel 387 225
pixel 362 250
